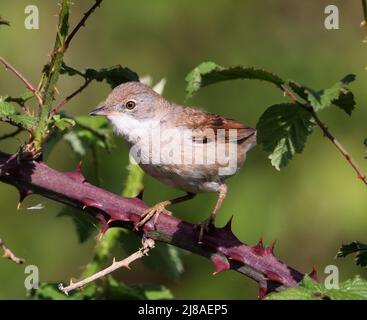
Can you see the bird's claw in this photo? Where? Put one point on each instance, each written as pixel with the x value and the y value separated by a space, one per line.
pixel 205 227
pixel 152 212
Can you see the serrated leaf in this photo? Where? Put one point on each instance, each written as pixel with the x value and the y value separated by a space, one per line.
pixel 23 120
pixel 6 108
pixel 355 247
pixel 209 73
pixel 114 75
pixel 62 123
pixel 282 130
pixel 352 289
pixel 337 94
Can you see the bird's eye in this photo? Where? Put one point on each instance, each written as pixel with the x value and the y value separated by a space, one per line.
pixel 130 105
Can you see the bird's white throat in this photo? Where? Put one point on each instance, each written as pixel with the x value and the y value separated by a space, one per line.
pixel 130 128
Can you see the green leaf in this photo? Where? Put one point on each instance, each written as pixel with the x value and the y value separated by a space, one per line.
pixel 209 73
pixel 6 108
pixel 114 75
pixel 308 289
pixel 85 225
pixel 345 101
pixel 9 113
pixel 355 247
pixel 166 257
pixel 50 291
pixel 338 94
pixel 87 133
pixel 61 122
pixel 352 289
pixel 282 130
pixel 23 120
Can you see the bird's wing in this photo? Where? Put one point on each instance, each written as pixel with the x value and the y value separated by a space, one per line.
pixel 206 125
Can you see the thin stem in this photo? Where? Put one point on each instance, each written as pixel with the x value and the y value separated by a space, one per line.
pixel 360 174
pixel 52 74
pixel 148 244
pixel 11 134
pixel 23 78
pixel 72 95
pixel 9 254
pixel 81 24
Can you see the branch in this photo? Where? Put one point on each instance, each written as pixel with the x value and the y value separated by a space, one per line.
pixel 72 95
pixel 23 78
pixel 10 255
pixel 81 23
pixel 148 244
pixel 360 174
pixel 220 245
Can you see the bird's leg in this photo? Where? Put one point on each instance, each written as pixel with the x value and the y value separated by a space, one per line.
pixel 160 207
pixel 204 226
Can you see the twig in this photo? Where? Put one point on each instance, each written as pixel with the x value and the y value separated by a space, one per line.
pixel 81 24
pixel 11 134
pixel 72 95
pixel 360 174
pixel 148 244
pixel 23 78
pixel 10 255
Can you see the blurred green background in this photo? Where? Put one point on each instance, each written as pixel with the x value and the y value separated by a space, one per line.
pixel 311 207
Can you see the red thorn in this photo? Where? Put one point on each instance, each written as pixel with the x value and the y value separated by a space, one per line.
pixel 262 292
pixel 274 277
pixel 259 248
pixel 228 225
pixel 313 274
pixel 270 249
pixel 221 263
pixel 77 173
pixel 261 240
pixel 88 202
pixel 23 193
pixel 104 225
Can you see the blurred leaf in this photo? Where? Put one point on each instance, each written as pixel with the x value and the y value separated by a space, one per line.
pixel 61 122
pixel 360 249
pixel 89 132
pixel 282 130
pixel 85 225
pixel 352 289
pixel 114 75
pixel 166 257
pixel 209 73
pixel 337 94
pixel 27 95
pixel 50 291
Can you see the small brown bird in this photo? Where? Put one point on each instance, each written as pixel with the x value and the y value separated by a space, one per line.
pixel 183 147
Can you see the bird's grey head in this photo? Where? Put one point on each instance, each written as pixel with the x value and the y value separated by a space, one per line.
pixel 134 100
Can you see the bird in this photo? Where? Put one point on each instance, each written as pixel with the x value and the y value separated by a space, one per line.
pixel 181 146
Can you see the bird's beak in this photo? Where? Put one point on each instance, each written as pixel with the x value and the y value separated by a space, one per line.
pixel 101 111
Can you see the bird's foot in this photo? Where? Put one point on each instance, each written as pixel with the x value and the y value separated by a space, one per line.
pixel 205 227
pixel 154 213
